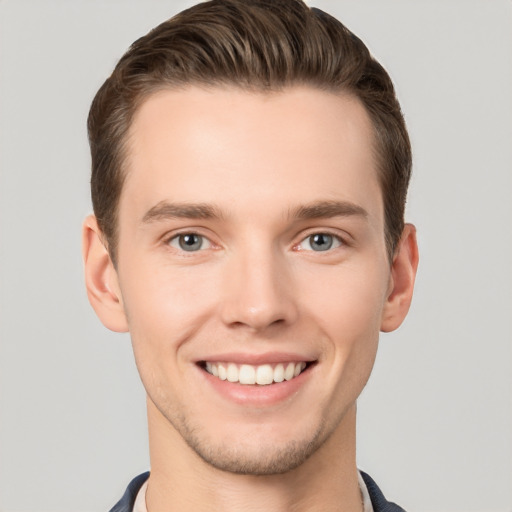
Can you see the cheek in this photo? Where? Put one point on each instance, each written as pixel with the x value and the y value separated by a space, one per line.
pixel 347 300
pixel 165 309
pixel 350 314
pixel 166 306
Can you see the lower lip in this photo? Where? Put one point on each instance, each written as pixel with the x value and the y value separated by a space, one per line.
pixel 256 395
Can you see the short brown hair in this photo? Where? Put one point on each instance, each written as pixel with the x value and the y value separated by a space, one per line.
pixel 254 45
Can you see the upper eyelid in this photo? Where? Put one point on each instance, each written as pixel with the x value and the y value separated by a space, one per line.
pixel 166 242
pixel 343 237
pixel 336 236
pixel 176 237
pixel 199 231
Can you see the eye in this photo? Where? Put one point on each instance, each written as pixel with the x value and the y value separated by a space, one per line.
pixel 190 242
pixel 320 242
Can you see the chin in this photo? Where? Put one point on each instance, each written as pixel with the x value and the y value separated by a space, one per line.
pixel 256 459
pixel 258 452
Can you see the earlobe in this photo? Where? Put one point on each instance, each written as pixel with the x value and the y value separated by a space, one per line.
pixel 101 278
pixel 403 274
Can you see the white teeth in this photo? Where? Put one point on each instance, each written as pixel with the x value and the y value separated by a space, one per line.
pixel 290 370
pixel 232 373
pixel 262 375
pixel 222 372
pixel 279 373
pixel 247 374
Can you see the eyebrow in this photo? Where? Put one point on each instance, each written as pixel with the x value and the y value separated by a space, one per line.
pixel 327 209
pixel 165 210
pixel 316 210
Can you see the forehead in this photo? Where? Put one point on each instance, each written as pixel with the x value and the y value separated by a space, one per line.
pixel 240 149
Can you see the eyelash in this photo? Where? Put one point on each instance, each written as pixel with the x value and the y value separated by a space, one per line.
pixel 336 241
pixel 176 238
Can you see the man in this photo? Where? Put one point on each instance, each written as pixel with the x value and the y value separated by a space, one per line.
pixel 250 165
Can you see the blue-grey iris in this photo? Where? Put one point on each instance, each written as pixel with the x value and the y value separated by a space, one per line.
pixel 190 242
pixel 321 242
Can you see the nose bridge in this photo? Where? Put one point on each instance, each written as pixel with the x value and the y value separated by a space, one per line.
pixel 258 288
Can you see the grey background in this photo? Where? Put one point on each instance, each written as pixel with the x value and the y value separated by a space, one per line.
pixel 435 423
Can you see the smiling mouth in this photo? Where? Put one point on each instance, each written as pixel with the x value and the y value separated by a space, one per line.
pixel 261 375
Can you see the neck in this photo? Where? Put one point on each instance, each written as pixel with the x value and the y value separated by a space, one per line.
pixel 180 480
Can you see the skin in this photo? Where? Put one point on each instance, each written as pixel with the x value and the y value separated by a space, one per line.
pixel 273 169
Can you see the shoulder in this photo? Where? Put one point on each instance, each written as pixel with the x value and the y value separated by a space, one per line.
pixel 379 502
pixel 125 504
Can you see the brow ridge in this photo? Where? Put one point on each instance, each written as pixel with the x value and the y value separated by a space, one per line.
pixel 327 209
pixel 316 210
pixel 166 210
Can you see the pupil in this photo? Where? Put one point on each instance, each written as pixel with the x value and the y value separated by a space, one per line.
pixel 190 242
pixel 321 242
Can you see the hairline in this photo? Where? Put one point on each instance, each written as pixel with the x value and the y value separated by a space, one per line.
pixel 250 88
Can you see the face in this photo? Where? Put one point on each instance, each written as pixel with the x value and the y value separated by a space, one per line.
pixel 252 268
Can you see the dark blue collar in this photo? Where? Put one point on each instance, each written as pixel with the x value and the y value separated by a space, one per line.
pixel 380 504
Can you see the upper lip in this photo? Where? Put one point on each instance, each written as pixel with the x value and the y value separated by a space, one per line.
pixel 257 359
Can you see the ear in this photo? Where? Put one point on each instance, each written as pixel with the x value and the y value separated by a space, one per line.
pixel 101 278
pixel 401 281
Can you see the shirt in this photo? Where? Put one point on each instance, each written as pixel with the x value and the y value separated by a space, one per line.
pixel 140 500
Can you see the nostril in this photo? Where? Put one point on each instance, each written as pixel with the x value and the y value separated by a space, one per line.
pixel 258 323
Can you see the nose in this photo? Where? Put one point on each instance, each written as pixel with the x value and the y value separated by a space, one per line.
pixel 258 291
